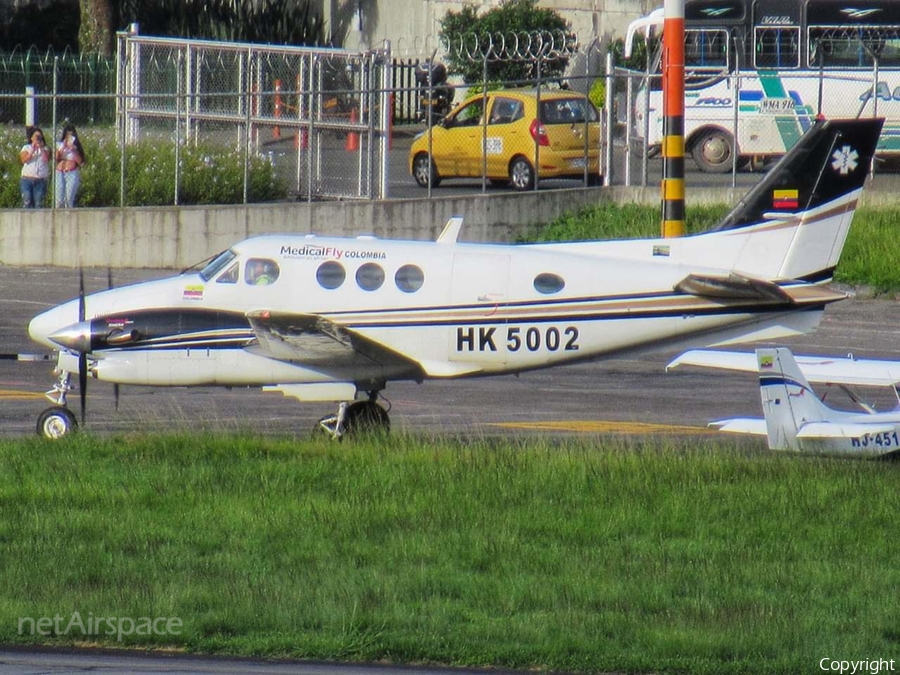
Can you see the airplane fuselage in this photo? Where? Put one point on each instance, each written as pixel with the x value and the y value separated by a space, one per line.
pixel 448 309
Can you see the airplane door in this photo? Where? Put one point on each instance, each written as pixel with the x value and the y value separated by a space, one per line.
pixel 479 287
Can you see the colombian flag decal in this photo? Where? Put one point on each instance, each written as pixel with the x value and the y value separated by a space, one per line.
pixel 193 293
pixel 785 199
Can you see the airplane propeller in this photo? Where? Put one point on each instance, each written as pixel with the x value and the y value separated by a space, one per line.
pixel 109 285
pixel 82 355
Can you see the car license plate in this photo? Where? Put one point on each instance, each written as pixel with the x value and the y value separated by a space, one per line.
pixel 577 163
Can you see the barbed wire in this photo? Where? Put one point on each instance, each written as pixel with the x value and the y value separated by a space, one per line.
pixel 497 46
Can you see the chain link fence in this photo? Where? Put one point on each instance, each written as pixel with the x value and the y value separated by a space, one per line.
pixel 740 123
pixel 311 124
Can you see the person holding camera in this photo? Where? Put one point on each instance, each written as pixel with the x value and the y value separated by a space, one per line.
pixel 35 158
pixel 69 158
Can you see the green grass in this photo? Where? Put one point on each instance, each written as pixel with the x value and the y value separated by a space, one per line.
pixel 869 258
pixel 601 555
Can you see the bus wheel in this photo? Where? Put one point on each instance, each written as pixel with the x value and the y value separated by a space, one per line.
pixel 713 151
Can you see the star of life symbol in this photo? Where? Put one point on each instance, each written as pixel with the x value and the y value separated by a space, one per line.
pixel 844 160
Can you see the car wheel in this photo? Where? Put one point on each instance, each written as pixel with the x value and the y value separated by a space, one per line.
pixel 425 170
pixel 521 174
pixel 713 151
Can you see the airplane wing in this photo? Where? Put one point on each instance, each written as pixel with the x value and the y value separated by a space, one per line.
pixel 312 339
pixel 741 425
pixel 817 369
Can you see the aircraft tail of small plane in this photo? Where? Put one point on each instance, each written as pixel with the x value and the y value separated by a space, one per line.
pixel 788 401
pixel 798 216
pixel 795 415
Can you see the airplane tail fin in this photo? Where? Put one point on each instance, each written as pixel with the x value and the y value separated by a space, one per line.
pixel 788 401
pixel 806 202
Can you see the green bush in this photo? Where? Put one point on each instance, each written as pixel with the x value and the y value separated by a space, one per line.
pixel 210 174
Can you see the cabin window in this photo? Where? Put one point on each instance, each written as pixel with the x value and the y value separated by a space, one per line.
pixel 409 278
pixel 260 272
pixel 548 283
pixel 330 275
pixel 229 276
pixel 370 277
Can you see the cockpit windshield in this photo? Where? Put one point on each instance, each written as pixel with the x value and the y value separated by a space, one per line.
pixel 217 264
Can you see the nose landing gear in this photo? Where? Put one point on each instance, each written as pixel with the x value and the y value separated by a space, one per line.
pixel 58 421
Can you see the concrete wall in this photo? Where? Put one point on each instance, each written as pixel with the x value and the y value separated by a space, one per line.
pixel 176 237
pixel 412 26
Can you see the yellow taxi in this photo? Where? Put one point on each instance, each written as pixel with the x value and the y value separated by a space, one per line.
pixel 557 131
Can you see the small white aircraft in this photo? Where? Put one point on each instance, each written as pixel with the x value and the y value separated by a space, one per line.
pixel 794 417
pixel 336 319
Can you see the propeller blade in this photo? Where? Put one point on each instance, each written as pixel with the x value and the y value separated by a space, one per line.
pixel 109 284
pixel 82 356
pixel 81 309
pixel 82 384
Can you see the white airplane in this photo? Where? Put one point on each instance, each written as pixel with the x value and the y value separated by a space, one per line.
pixel 336 319
pixel 794 417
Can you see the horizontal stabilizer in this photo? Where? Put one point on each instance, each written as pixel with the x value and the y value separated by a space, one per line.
pixel 733 286
pixel 741 425
pixel 821 430
pixel 818 369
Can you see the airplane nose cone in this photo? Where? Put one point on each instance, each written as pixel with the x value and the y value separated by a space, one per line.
pixel 50 322
pixel 76 337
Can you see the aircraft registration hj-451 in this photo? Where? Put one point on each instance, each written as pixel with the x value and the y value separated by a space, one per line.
pixel 336 319
pixel 794 417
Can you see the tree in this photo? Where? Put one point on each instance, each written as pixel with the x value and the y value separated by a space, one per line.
pixel 96 28
pixel 291 22
pixel 464 32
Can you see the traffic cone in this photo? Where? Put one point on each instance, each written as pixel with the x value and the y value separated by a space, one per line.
pixel 352 144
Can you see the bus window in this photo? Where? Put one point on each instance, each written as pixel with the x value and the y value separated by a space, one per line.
pixel 853 47
pixel 776 46
pixel 706 48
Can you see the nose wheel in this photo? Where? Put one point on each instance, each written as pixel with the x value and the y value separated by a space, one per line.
pixel 56 422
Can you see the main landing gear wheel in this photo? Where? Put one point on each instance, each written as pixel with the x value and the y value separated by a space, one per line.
pixel 56 422
pixel 354 419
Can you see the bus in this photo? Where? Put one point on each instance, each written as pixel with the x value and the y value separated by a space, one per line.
pixel 759 72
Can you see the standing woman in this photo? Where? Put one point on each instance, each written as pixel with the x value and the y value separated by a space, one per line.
pixel 69 158
pixel 35 158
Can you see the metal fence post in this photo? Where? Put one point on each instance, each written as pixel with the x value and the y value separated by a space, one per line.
pixel 610 119
pixel 179 81
pixel 54 177
pixel 387 113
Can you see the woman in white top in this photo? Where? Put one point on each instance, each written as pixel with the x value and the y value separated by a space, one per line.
pixel 69 158
pixel 35 158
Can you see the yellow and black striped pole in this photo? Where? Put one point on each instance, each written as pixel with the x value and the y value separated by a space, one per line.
pixel 673 120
